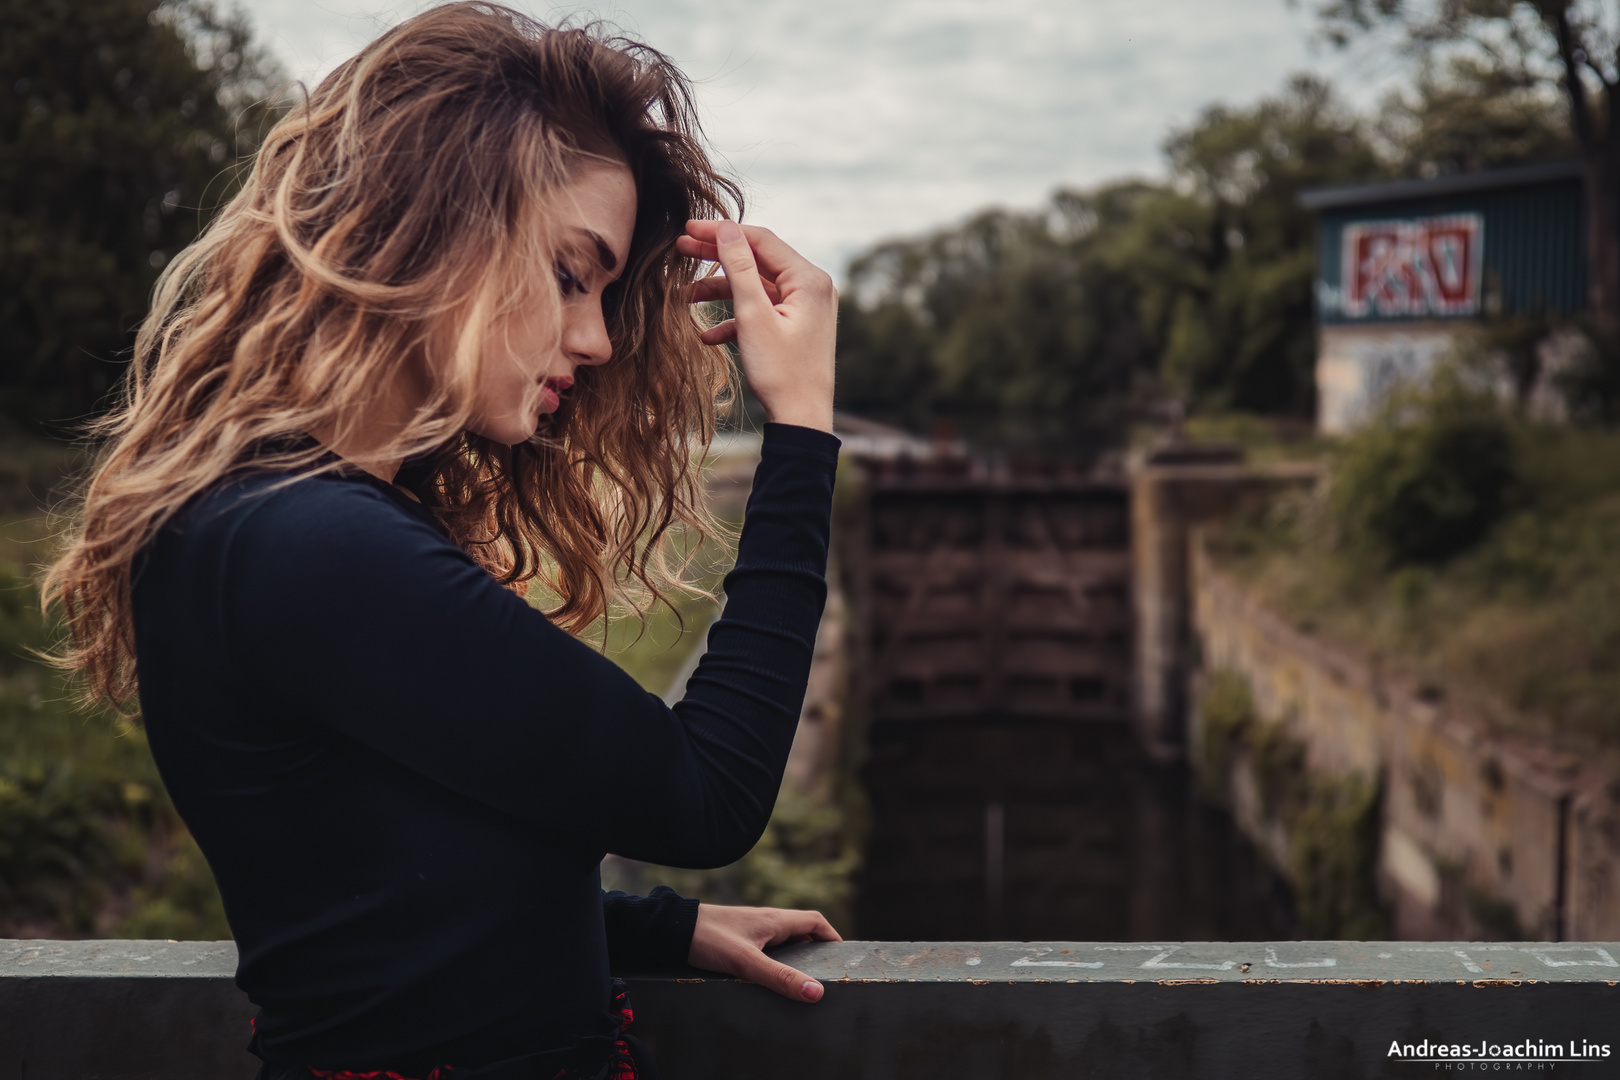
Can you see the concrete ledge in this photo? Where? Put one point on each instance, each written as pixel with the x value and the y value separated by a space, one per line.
pixel 142 1009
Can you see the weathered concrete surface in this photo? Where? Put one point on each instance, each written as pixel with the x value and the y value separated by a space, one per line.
pixel 1477 828
pixel 1171 494
pixel 122 1010
pixel 940 1010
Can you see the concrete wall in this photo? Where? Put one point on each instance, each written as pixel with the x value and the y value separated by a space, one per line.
pixel 154 1010
pixel 1479 834
pixel 1172 492
pixel 1357 364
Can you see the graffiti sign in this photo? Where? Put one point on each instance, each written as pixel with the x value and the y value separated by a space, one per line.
pixel 1427 266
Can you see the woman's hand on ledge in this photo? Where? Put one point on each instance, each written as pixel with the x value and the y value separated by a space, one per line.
pixel 786 320
pixel 731 940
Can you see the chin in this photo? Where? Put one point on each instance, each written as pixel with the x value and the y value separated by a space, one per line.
pixel 512 432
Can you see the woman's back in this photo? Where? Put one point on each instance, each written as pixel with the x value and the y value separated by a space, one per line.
pixel 405 777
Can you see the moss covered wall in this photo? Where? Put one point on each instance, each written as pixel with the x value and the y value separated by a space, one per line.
pixel 1358 784
pixel 1173 490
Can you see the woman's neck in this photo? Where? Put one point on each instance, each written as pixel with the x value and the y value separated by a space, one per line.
pixel 358 450
pixel 364 440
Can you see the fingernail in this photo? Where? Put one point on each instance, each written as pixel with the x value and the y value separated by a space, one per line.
pixel 811 990
pixel 729 232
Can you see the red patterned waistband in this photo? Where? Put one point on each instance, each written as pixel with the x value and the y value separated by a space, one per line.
pixel 621 1063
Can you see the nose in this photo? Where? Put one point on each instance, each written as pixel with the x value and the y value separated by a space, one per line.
pixel 585 335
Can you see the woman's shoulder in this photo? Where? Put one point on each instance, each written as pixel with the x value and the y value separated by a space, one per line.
pixel 320 501
pixel 288 517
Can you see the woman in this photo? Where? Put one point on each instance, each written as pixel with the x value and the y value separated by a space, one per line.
pixel 440 349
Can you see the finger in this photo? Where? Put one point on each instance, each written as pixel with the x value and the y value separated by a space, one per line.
pixel 720 333
pixel 775 256
pixel 790 983
pixel 704 248
pixel 706 289
pixel 736 256
pixel 810 924
pixel 695 249
pixel 713 255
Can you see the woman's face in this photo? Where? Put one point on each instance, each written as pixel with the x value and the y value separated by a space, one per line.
pixel 527 365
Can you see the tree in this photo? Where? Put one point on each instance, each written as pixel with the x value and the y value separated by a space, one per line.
pixel 1571 47
pixel 1052 326
pixel 1010 327
pixel 119 120
pixel 1464 115
pixel 1240 331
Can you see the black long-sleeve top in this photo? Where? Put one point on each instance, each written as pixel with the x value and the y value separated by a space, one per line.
pixel 404 777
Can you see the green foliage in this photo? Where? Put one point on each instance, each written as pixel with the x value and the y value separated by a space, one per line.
pixel 182 903
pixel 1523 626
pixel 1225 717
pixel 1277 760
pixel 807 860
pixel 1011 327
pixel 1333 856
pixel 89 843
pixel 1429 477
pixel 1052 327
pixel 117 119
pixel 1332 823
pixel 1498 918
pixel 1463 114
pixel 53 847
pixel 1241 330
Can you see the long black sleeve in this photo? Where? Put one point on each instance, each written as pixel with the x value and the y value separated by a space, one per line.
pixel 430 662
pixel 648 933
pixel 404 776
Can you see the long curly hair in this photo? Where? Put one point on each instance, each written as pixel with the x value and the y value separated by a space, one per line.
pixel 408 193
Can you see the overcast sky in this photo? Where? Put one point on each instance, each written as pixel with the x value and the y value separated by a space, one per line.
pixel 853 120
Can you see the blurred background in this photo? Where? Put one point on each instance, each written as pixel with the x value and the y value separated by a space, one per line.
pixel 1228 525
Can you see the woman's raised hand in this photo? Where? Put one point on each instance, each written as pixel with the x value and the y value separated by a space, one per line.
pixel 733 940
pixel 785 317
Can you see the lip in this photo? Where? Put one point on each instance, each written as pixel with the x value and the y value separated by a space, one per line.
pixel 551 391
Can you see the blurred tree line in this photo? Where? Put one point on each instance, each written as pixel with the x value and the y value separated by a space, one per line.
pixel 119 123
pixel 1059 326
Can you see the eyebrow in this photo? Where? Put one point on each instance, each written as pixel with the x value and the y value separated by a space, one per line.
pixel 604 254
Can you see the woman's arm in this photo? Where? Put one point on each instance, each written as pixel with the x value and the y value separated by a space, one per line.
pixel 648 933
pixel 343 612
pixel 662 930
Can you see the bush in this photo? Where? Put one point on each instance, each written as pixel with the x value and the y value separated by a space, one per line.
pixel 1428 478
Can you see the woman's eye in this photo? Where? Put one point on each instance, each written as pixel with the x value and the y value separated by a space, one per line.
pixel 568 282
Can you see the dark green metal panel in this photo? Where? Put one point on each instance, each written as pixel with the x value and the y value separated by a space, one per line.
pixel 1534 245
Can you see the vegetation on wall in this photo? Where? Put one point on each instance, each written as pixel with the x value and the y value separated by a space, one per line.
pixel 1495 582
pixel 1331 823
pixel 1428 477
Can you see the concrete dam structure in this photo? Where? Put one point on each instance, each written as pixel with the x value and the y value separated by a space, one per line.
pixel 992 665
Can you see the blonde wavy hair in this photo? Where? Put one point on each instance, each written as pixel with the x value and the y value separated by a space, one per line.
pixel 407 194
